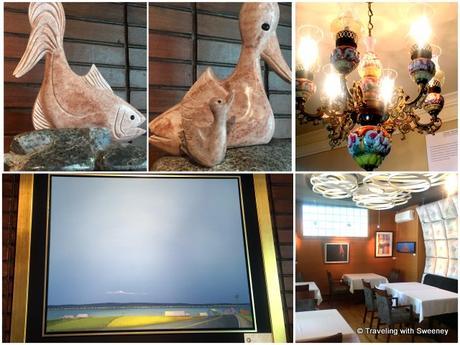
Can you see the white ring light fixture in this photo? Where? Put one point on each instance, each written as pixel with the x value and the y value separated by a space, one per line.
pixel 334 186
pixel 380 191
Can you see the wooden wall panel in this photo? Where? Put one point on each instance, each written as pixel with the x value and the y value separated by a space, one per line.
pixel 280 193
pixel 191 37
pixel 95 33
pixel 10 184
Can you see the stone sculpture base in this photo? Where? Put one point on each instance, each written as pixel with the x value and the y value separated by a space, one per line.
pixel 275 156
pixel 73 149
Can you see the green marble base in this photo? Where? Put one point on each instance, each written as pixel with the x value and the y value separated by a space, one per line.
pixel 72 149
pixel 275 156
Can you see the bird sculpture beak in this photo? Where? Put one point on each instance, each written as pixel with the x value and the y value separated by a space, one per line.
pixel 274 58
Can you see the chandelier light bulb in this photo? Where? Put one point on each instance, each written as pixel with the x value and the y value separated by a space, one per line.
pixel 332 88
pixel 309 52
pixel 387 85
pixel 420 31
pixel 308 48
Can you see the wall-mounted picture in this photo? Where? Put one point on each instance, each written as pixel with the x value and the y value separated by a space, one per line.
pixel 405 247
pixel 147 254
pixel 383 244
pixel 336 253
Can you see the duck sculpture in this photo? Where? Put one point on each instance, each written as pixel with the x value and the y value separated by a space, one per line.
pixel 65 99
pixel 250 116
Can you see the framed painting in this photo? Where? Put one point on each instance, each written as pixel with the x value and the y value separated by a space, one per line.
pixel 336 253
pixel 145 258
pixel 383 244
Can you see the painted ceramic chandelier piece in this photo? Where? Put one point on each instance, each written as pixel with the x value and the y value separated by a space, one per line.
pixel 367 114
pixel 65 99
pixel 250 117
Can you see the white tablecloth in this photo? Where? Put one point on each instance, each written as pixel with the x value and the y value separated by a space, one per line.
pixel 311 325
pixel 426 300
pixel 312 287
pixel 355 282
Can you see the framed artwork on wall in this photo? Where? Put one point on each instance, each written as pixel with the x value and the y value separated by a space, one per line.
pixel 383 244
pixel 336 253
pixel 124 258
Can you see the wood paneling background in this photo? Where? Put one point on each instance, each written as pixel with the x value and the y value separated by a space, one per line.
pixel 186 38
pixel 310 252
pixel 111 35
pixel 280 193
pixel 9 211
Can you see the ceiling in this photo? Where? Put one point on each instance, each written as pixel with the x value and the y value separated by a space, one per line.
pixel 391 26
pixel 304 194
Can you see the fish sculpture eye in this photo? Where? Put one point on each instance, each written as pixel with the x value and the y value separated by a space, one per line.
pixel 132 117
pixel 265 26
pixel 219 101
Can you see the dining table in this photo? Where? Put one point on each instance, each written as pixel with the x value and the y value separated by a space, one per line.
pixel 355 280
pixel 312 287
pixel 426 300
pixel 316 324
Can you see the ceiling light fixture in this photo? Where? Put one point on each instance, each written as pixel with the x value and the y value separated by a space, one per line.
pixel 376 191
pixel 370 112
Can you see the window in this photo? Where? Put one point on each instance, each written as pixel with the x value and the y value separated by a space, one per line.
pixel 319 220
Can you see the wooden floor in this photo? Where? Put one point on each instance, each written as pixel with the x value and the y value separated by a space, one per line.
pixel 352 309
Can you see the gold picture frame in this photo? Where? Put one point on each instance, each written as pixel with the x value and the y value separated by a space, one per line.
pixel 24 227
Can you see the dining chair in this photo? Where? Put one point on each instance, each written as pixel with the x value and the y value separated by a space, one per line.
pixel 336 287
pixel 394 276
pixel 306 304
pixel 391 315
pixel 336 338
pixel 370 303
pixel 302 291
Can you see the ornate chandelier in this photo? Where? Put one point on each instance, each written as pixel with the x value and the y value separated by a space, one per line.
pixel 375 191
pixel 368 113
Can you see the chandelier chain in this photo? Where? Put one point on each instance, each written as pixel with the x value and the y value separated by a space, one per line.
pixel 370 26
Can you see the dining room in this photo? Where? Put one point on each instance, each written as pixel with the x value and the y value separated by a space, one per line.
pixel 376 257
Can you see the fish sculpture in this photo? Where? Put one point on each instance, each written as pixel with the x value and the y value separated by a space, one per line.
pixel 65 99
pixel 252 120
pixel 206 145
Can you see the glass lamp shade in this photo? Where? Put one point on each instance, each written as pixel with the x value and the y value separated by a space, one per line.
pixel 387 85
pixel 307 57
pixel 346 21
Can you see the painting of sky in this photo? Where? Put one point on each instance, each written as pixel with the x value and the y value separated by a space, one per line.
pixel 146 240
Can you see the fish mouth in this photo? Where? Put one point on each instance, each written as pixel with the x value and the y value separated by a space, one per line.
pixel 129 134
pixel 274 58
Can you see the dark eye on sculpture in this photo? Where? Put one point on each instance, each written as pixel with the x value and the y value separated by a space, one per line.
pixel 219 101
pixel 265 26
pixel 132 117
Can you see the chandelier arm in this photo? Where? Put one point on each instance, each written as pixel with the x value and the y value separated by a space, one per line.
pixel 430 127
pixel 423 90
pixel 304 116
pixel 343 82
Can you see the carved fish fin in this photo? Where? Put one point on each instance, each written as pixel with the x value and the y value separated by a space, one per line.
pixel 38 117
pixel 95 79
pixel 47 21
